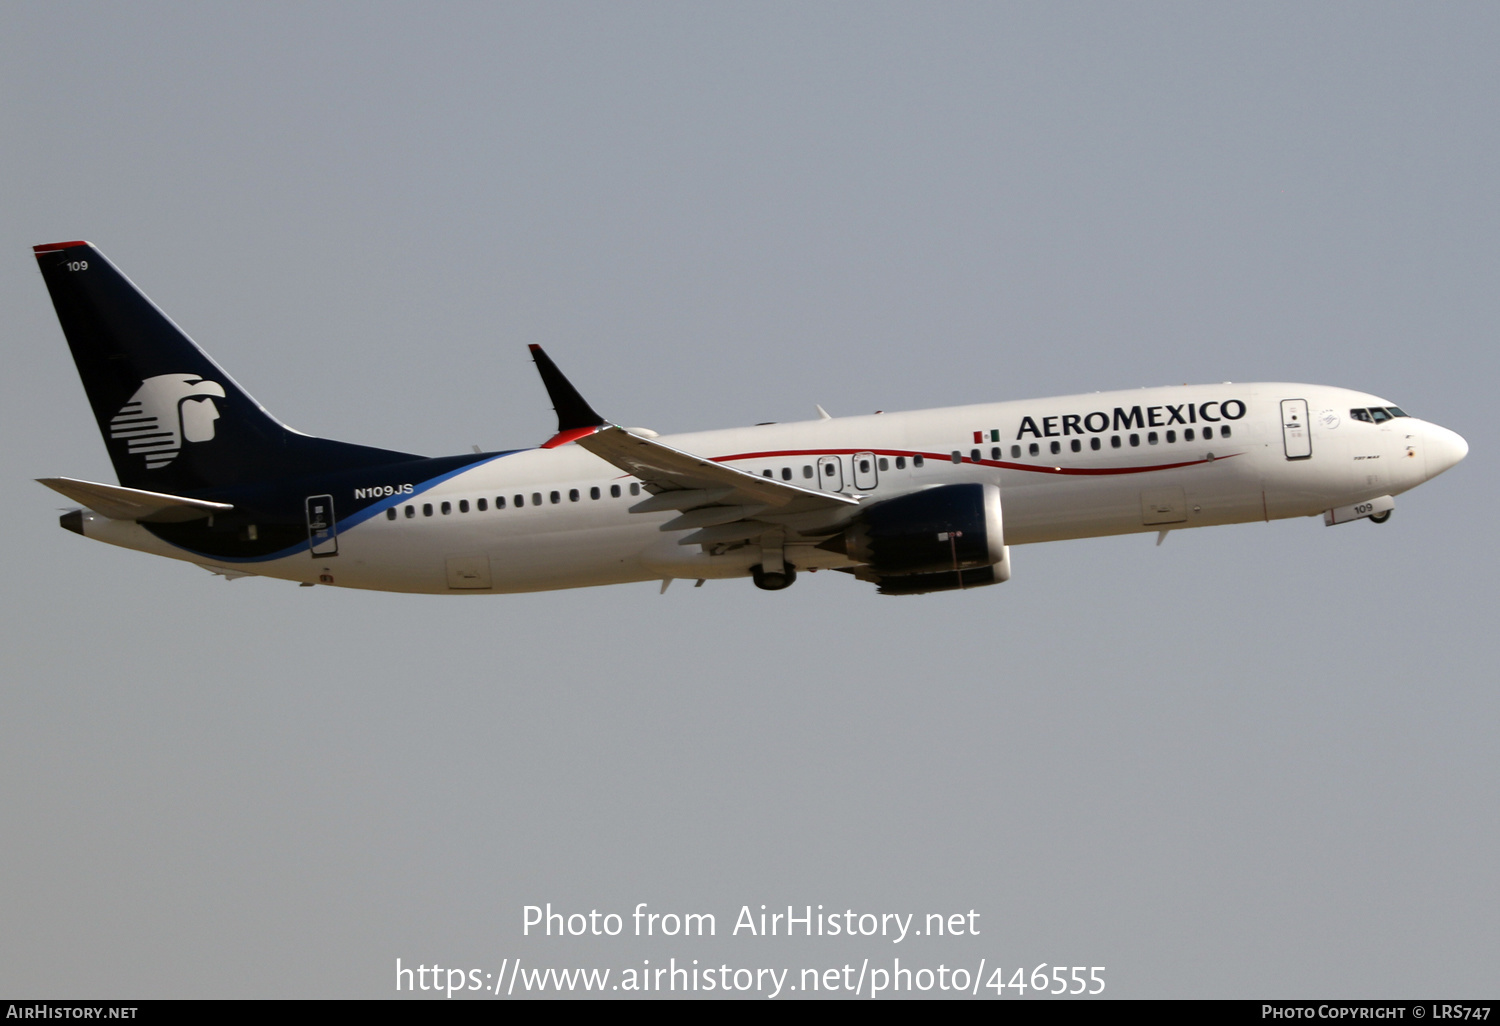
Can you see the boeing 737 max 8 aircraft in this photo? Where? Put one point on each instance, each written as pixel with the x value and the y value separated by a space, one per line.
pixel 923 501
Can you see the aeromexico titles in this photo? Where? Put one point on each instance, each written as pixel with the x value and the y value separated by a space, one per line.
pixel 915 502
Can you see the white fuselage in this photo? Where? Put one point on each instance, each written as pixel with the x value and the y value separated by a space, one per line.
pixel 1105 463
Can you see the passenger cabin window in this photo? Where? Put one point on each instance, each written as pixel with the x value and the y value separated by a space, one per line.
pixel 1094 443
pixel 614 491
pixel 1077 446
pixel 1135 439
pixel 806 470
pixel 1151 438
pixel 1208 432
pixel 463 505
pixel 390 514
pixel 900 462
pixel 1034 449
pixel 1171 436
pixel 864 465
pixel 594 492
pixel 1224 431
pixel 447 508
pixel 882 463
pixel 1056 448
pixel 995 453
pixel 499 502
pixel 786 473
pixel 917 460
pixel 958 457
pixel 573 495
pixel 411 511
pixel 766 472
pixel 635 488
pixel 556 497
pixel 427 509
pixel 482 504
pixel 1187 434
pixel 520 501
pixel 1114 441
pixel 536 498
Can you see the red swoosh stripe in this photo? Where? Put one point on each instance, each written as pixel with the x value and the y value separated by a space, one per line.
pixel 947 458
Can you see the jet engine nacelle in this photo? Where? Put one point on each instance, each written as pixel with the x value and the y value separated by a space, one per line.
pixel 949 528
pixel 948 580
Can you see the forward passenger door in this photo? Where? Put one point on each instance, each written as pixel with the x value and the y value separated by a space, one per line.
pixel 1296 435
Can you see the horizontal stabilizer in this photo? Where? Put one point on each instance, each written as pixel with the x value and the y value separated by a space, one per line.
pixel 119 503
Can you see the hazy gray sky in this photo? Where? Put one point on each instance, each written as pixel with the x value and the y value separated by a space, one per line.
pixel 1258 760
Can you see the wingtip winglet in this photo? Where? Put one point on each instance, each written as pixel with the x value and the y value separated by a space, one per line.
pixel 575 417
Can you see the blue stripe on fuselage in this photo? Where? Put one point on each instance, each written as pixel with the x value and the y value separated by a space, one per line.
pixel 356 518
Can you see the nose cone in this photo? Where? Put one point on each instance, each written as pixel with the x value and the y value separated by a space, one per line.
pixel 1444 449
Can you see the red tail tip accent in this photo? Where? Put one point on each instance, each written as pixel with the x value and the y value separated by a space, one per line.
pixel 52 247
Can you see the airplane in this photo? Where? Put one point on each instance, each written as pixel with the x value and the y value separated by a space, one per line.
pixel 912 502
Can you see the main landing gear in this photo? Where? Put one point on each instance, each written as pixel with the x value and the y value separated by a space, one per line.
pixel 1380 518
pixel 771 580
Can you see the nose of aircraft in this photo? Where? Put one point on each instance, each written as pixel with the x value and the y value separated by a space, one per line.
pixel 1444 449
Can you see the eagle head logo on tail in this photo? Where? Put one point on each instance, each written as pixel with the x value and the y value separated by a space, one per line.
pixel 165 411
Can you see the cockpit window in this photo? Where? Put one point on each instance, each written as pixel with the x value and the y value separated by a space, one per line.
pixel 1378 414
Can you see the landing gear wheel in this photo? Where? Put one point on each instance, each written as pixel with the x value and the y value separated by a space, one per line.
pixel 772 581
pixel 1380 518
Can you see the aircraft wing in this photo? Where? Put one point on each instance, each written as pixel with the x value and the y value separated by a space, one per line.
pixel 119 503
pixel 724 503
